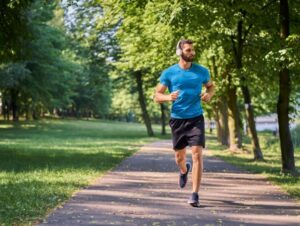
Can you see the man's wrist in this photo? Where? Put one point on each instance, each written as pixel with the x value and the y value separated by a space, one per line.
pixel 210 92
pixel 168 97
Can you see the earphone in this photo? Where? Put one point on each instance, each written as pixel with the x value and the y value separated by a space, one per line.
pixel 178 48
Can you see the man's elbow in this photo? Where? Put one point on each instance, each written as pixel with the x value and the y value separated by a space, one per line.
pixel 156 99
pixel 211 86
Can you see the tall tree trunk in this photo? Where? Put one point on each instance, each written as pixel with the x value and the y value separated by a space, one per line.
pixel 223 121
pixel 163 119
pixel 14 105
pixel 223 110
pixel 220 110
pixel 216 115
pixel 6 109
pixel 286 144
pixel 235 140
pixel 142 101
pixel 251 125
pixel 215 105
pixel 238 53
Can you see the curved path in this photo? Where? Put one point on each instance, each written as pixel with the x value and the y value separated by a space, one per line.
pixel 143 190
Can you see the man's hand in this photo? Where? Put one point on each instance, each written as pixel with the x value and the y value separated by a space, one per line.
pixel 210 91
pixel 160 97
pixel 206 97
pixel 173 96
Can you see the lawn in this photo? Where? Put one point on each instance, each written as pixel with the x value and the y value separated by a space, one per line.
pixel 271 167
pixel 43 163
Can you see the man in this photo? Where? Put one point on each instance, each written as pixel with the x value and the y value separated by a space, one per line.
pixel 184 82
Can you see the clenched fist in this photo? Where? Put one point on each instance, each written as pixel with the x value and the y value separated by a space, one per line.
pixel 205 97
pixel 173 96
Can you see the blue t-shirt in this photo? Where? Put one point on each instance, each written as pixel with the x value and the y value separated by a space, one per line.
pixel 189 83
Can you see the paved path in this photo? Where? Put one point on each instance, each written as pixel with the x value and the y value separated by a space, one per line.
pixel 143 190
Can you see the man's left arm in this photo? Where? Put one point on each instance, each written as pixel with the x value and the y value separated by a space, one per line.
pixel 210 91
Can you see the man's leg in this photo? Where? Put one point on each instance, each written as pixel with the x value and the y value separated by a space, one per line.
pixel 183 166
pixel 180 158
pixel 197 167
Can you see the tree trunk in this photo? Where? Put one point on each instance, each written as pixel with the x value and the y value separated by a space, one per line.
pixel 28 113
pixel 220 110
pixel 142 101
pixel 6 109
pixel 216 116
pixel 36 113
pixel 235 140
pixel 251 124
pixel 223 121
pixel 238 53
pixel 163 119
pixel 286 144
pixel 14 105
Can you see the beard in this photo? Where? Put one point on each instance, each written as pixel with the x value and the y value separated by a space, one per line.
pixel 187 58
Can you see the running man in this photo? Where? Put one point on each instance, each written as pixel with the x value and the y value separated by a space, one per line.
pixel 184 82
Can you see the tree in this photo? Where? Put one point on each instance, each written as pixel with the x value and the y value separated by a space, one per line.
pixel 286 144
pixel 130 62
pixel 38 77
pixel 13 28
pixel 93 46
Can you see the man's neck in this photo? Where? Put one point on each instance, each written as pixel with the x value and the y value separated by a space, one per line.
pixel 184 64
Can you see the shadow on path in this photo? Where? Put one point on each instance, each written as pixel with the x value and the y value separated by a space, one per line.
pixel 143 190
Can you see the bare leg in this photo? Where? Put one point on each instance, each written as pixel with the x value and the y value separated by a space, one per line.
pixel 181 160
pixel 197 167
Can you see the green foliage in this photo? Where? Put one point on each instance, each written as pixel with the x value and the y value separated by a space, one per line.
pixel 13 28
pixel 12 75
pixel 93 47
pixel 84 72
pixel 39 74
pixel 51 71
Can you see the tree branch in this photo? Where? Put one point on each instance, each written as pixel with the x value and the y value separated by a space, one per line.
pixel 233 45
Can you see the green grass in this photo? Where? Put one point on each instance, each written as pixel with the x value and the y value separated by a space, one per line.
pixel 271 167
pixel 43 163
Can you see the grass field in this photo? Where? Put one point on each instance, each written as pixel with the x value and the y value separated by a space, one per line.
pixel 43 163
pixel 271 167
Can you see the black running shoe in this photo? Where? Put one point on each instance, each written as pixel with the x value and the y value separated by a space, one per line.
pixel 183 177
pixel 194 200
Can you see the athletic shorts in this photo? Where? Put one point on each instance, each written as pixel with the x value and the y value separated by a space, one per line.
pixel 187 132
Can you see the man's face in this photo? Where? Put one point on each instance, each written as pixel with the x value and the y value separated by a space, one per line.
pixel 188 52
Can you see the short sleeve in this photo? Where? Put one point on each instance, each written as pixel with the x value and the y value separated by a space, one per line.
pixel 163 79
pixel 206 76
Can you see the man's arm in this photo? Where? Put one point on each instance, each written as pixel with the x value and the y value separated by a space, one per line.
pixel 210 91
pixel 160 95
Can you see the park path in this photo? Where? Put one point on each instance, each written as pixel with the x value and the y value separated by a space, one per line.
pixel 143 190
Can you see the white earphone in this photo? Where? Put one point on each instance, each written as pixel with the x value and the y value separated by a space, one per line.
pixel 178 48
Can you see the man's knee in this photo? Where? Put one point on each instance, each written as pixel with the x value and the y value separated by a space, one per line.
pixel 179 157
pixel 197 154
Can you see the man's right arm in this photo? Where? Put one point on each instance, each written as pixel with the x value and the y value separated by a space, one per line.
pixel 160 95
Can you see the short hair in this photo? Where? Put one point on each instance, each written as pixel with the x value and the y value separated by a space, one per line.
pixel 184 41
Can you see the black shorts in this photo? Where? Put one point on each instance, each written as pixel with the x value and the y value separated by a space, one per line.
pixel 187 132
